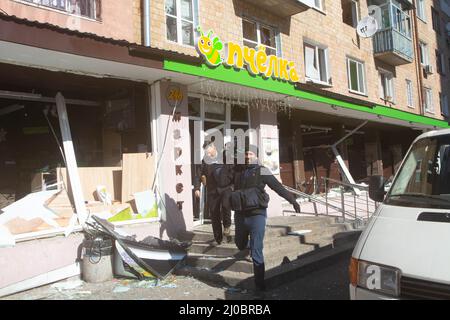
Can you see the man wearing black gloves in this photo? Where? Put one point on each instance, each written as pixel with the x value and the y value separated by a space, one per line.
pixel 250 202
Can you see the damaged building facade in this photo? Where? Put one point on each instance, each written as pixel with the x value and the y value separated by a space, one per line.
pixel 102 105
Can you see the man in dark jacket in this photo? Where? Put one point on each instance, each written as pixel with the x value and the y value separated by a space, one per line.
pixel 250 220
pixel 218 178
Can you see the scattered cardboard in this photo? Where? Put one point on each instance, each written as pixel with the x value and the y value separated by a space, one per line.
pixel 20 225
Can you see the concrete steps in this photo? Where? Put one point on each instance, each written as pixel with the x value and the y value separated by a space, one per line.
pixel 219 263
pixel 270 242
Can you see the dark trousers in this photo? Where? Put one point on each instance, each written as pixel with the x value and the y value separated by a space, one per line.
pixel 253 227
pixel 220 212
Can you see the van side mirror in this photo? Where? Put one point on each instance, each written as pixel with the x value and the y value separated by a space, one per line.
pixel 376 188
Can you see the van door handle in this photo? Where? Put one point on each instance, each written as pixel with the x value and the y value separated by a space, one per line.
pixel 442 217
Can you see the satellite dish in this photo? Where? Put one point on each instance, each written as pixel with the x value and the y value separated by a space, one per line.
pixel 367 27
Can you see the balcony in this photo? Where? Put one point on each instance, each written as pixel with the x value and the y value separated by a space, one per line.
pixel 393 42
pixel 283 8
pixel 392 47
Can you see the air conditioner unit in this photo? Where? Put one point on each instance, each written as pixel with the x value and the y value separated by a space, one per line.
pixel 428 69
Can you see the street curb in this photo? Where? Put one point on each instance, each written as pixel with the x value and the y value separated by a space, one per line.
pixel 303 266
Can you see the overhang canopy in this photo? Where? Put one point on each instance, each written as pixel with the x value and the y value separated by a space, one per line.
pixel 283 8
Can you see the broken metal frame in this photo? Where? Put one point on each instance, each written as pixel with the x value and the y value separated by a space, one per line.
pixel 341 161
pixel 71 160
pixel 338 156
pixel 25 96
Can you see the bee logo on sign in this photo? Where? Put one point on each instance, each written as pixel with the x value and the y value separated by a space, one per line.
pixel 174 96
pixel 209 48
pixel 256 61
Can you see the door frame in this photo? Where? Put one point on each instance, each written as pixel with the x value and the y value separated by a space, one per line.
pixel 227 125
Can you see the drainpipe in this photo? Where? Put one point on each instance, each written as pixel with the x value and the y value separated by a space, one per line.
pixel 146 22
pixel 418 65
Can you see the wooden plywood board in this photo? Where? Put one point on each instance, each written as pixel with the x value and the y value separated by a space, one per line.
pixel 112 142
pixel 62 206
pixel 20 225
pixel 138 171
pixel 91 177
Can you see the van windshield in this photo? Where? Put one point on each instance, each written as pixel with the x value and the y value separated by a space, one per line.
pixel 424 178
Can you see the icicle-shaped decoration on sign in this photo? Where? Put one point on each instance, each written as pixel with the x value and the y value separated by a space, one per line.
pixel 237 95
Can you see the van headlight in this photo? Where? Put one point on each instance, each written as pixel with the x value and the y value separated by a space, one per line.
pixel 376 277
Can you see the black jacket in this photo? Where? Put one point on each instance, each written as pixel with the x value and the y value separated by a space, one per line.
pixel 209 171
pixel 266 178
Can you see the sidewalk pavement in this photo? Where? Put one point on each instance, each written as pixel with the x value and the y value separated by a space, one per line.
pixel 172 288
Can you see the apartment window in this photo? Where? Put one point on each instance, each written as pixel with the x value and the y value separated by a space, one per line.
pixel 356 76
pixel 386 85
pixel 428 100
pixel 400 21
pixel 436 20
pixel 256 34
pixel 85 8
pixel 440 62
pixel 318 4
pixel 420 5
pixel 424 57
pixel 350 12
pixel 316 63
pixel 444 105
pixel 180 21
pixel 409 94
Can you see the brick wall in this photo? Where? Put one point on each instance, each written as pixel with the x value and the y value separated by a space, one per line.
pixel 437 82
pixel 326 28
pixel 119 19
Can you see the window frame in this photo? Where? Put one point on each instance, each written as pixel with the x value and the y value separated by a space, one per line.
pixel 428 106
pixel 409 94
pixel 355 8
pixel 358 62
pixel 321 72
pixel 96 15
pixel 440 62
pixel 386 82
pixel 444 103
pixel 179 19
pixel 320 7
pixel 436 20
pixel 424 53
pixel 258 35
pixel 423 14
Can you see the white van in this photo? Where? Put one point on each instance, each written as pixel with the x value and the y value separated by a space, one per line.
pixel 404 253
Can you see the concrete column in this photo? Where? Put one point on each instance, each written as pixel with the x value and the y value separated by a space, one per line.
pixel 172 150
pixel 265 123
pixel 297 148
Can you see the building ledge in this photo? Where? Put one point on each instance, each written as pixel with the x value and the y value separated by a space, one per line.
pixel 282 8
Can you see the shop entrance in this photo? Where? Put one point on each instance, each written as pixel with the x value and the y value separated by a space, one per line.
pixel 210 119
pixel 107 120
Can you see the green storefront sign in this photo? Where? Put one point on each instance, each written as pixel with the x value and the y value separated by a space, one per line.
pixel 242 77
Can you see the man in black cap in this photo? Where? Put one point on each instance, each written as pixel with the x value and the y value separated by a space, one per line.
pixel 250 202
pixel 218 178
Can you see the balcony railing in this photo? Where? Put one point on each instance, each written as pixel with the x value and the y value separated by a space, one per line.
pixel 392 41
pixel 84 8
